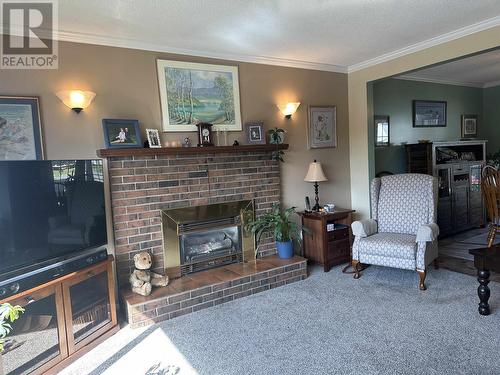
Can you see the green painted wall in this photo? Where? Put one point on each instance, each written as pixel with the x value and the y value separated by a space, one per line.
pixel 393 97
pixel 489 128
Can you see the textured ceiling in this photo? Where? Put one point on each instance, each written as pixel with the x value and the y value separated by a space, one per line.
pixel 478 71
pixel 338 33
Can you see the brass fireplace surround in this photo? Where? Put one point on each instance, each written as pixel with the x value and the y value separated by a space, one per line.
pixel 207 217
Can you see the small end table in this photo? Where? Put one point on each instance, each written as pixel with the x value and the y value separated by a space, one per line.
pixel 485 260
pixel 330 237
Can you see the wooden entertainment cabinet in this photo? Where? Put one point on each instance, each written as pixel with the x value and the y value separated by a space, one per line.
pixel 63 319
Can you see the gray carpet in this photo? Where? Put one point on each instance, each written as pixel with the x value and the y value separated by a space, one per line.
pixel 326 324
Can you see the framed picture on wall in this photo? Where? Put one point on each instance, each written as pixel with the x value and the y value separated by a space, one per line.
pixel 469 126
pixel 255 133
pixel 192 93
pixel 429 113
pixel 20 128
pixel 322 127
pixel 121 133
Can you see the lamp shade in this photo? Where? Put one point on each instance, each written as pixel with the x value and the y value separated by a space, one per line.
pixel 76 99
pixel 315 173
pixel 288 109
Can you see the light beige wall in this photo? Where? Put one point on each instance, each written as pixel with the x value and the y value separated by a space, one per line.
pixel 126 85
pixel 358 102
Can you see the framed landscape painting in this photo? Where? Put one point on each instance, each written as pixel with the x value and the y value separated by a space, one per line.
pixel 322 132
pixel 20 129
pixel 191 93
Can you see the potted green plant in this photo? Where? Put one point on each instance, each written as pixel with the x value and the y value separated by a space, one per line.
pixel 276 137
pixel 8 314
pixel 278 223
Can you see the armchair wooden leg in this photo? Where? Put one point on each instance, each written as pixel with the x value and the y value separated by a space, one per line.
pixel 421 284
pixel 357 267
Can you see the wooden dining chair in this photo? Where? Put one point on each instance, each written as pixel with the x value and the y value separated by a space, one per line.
pixel 490 188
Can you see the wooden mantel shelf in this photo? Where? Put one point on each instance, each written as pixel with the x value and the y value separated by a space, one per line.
pixel 117 152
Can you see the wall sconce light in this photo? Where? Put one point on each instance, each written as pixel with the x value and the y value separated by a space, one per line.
pixel 288 109
pixel 77 100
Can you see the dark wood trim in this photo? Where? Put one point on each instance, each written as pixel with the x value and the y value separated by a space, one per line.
pixel 55 281
pixel 39 294
pixel 60 288
pixel 117 152
pixel 87 348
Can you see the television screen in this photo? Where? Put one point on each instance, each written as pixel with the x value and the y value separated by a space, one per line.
pixel 49 210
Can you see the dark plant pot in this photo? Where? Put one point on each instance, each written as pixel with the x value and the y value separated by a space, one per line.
pixel 285 249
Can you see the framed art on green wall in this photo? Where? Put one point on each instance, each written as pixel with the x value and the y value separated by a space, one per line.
pixel 192 93
pixel 429 113
pixel 469 126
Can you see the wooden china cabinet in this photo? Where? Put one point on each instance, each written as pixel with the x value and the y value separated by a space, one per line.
pixel 63 320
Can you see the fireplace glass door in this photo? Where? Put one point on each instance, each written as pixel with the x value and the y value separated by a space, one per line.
pixel 204 249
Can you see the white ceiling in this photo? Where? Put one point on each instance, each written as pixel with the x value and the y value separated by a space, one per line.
pixel 337 35
pixel 476 71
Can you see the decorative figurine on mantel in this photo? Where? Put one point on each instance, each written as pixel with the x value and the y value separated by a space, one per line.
pixel 204 134
pixel 187 142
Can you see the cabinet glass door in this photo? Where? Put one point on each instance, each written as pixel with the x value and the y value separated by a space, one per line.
pixel 36 342
pixel 444 176
pixel 88 305
pixel 475 178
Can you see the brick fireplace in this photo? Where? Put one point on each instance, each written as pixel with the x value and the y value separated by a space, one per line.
pixel 147 182
pixel 152 189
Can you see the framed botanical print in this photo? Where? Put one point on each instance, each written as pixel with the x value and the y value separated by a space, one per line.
pixel 429 113
pixel 192 93
pixel 255 133
pixel 121 133
pixel 469 126
pixel 322 127
pixel 20 128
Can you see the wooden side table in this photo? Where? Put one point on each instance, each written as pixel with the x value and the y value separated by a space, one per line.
pixel 485 260
pixel 330 238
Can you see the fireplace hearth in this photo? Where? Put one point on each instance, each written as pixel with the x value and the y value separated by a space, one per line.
pixel 204 237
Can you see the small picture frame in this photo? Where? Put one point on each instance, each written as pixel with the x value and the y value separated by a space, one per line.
pixel 153 136
pixel 469 126
pixel 255 133
pixel 429 113
pixel 121 133
pixel 322 127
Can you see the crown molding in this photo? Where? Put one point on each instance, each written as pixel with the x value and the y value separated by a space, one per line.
pixel 448 37
pixel 491 84
pixel 113 41
pixel 408 77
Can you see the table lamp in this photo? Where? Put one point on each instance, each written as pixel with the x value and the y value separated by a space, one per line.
pixel 315 174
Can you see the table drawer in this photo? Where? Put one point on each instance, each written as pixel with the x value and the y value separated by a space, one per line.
pixel 339 250
pixel 338 234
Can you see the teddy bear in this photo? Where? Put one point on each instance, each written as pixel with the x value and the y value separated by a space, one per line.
pixel 143 279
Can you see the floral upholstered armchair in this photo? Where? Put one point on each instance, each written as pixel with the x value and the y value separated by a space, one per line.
pixel 402 232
